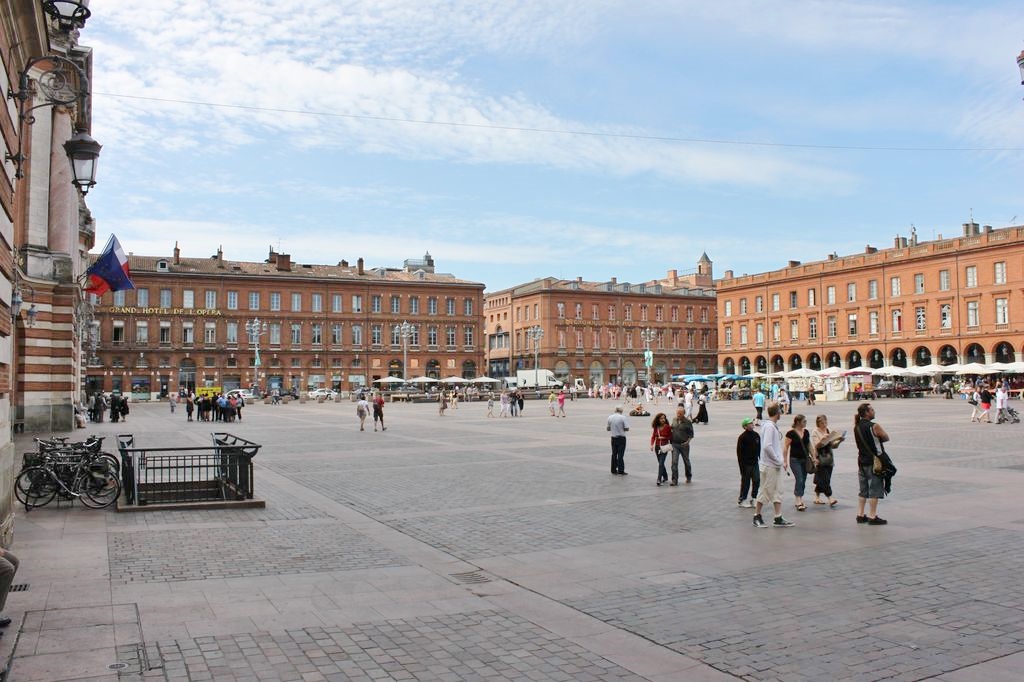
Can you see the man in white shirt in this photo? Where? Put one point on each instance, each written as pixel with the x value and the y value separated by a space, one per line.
pixel 617 426
pixel 773 461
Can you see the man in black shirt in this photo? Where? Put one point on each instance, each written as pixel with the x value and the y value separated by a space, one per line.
pixel 748 448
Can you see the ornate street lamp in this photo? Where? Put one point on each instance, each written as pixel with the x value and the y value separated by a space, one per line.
pixel 536 333
pixel 61 83
pixel 647 336
pixel 405 332
pixel 69 14
pixel 1020 64
pixel 254 328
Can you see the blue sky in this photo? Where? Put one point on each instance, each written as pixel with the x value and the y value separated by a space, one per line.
pixel 528 139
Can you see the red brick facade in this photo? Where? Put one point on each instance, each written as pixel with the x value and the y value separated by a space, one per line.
pixel 944 301
pixel 326 325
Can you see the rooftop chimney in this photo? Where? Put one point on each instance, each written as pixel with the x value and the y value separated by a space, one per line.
pixel 728 274
pixel 177 254
pixel 359 266
pixel 870 249
pixel 220 257
pixel 343 264
pixel 614 280
pixel 284 262
pixel 793 263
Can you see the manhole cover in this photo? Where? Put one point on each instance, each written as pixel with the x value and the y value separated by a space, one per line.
pixel 20 587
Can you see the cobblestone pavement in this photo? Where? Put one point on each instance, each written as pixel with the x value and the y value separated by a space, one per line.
pixel 468 548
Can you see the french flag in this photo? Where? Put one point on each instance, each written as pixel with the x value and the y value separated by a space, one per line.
pixel 110 271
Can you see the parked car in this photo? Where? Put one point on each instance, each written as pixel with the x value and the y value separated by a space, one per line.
pixel 327 393
pixel 244 393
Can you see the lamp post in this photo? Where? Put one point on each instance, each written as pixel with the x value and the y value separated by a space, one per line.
pixel 1020 64
pixel 647 336
pixel 254 328
pixel 535 333
pixel 405 332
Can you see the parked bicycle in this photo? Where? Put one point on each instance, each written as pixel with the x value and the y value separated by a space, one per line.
pixel 72 470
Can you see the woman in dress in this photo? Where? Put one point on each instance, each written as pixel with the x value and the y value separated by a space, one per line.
pixel 797 444
pixel 702 408
pixel 823 443
pixel 661 443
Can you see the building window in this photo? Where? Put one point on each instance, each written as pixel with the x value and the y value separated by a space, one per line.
pixel 728 338
pixel 794 330
pixel 812 328
pixel 792 299
pixel 1002 311
pixel 396 305
pixel 703 314
pixel 627 312
pixel 811 298
pixel 375 303
pixel 376 335
pixel 971 276
pixel 275 334
pixel 776 332
pixel 142 332
pixel 946 316
pixel 943 280
pixel 316 303
pixel 759 334
pixel 432 305
pixel 316 333
pixel 467 336
pixel 920 318
pixel 743 334
pixel 873 290
pixel 187 334
pixel 467 306
pixel 579 338
pixel 165 333
pixel 275 300
pixel 611 339
pixel 231 332
pixel 254 300
pixel 414 305
pixel 449 306
pixel 210 333
pixel 450 335
pixel 873 323
pixel 743 306
pixel 560 308
pixel 830 295
pixel 919 283
pixel 675 313
pixel 894 286
pixel 188 298
pixel 432 335
pixel 775 302
pixel 118 298
pixel 211 299
pixel 357 304
pixel 336 303
pixel 643 313
pixel 758 304
pixel 296 334
pixel 118 332
pixel 689 339
pixel 611 313
pixel 659 313
pixel 832 331
pixel 728 308
pixel 595 312
pixel 851 292
pixel 999 274
pixel 357 335
pixel 165 298
pixel 579 311
pixel 972 314
pixel 536 311
pixel 851 324
pixel 335 334
pixel 897 321
pixel 142 298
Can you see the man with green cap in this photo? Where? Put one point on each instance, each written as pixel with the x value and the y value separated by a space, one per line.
pixel 748 449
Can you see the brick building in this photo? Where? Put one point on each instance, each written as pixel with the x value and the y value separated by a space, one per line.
pixel 949 300
pixel 333 326
pixel 592 330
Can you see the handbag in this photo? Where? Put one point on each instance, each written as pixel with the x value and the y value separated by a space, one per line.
pixel 877 467
pixel 826 458
pixel 810 467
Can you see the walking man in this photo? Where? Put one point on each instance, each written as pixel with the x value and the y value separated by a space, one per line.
pixel 617 426
pixel 378 412
pixel 362 410
pixel 773 461
pixel 758 405
pixel 682 434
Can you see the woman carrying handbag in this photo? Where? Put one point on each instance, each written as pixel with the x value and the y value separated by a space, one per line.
pixel 661 443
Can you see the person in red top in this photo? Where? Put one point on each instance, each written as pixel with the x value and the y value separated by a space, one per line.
pixel 661 443
pixel 378 412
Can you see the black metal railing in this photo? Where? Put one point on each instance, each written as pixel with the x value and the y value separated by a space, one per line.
pixel 167 475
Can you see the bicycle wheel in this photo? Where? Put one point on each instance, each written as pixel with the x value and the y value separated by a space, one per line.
pixel 35 487
pixel 98 489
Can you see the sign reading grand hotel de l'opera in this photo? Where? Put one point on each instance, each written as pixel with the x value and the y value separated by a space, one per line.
pixel 133 310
